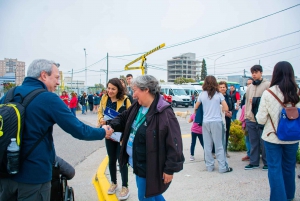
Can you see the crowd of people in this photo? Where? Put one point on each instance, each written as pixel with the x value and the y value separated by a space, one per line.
pixel 139 125
pixel 259 108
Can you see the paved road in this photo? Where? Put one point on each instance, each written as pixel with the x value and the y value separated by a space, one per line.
pixel 192 183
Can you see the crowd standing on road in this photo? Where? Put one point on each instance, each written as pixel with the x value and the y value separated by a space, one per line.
pixel 33 180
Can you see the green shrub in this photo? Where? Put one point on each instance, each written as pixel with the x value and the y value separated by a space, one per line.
pixel 236 140
pixel 298 155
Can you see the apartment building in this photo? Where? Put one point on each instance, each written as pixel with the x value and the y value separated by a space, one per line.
pixel 184 65
pixel 12 70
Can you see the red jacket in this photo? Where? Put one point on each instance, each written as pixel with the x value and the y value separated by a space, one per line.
pixel 73 102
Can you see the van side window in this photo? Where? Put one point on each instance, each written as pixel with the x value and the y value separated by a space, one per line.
pixel 171 92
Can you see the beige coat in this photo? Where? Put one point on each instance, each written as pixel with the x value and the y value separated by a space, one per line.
pixel 270 106
pixel 254 91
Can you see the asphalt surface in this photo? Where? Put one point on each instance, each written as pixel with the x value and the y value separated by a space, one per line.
pixel 192 183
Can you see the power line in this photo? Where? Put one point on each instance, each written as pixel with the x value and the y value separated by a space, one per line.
pixel 259 54
pixel 230 63
pixel 212 34
pixel 248 45
pixel 227 29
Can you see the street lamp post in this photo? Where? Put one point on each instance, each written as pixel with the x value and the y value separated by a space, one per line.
pixel 72 80
pixel 215 64
pixel 85 68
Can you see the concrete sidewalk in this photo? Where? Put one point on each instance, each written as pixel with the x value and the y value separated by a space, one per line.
pixel 192 183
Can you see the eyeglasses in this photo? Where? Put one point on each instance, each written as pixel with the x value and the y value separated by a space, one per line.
pixel 56 64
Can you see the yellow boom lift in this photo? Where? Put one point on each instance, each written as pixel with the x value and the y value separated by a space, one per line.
pixel 143 58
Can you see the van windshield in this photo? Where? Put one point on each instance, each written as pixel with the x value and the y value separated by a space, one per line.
pixel 179 92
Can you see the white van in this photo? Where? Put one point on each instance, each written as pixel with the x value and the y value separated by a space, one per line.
pixel 179 96
pixel 192 90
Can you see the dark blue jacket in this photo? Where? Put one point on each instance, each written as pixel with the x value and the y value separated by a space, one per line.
pixel 41 114
pixel 199 115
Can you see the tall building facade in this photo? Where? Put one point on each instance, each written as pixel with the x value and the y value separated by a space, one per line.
pixel 184 65
pixel 12 68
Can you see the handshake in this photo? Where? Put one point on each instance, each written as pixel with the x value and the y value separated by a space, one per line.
pixel 108 131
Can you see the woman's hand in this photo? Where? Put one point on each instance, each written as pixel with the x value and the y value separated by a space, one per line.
pixel 228 114
pixel 167 178
pixel 102 122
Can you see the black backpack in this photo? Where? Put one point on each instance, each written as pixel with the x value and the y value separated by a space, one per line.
pixel 12 123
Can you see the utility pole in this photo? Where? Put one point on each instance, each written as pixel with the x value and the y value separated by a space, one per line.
pixel 85 68
pixel 106 69
pixel 72 80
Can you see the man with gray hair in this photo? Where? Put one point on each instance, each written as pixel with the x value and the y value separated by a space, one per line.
pixel 33 181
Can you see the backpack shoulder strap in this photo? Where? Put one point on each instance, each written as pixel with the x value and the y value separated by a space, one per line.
pixel 10 95
pixel 29 97
pixel 271 92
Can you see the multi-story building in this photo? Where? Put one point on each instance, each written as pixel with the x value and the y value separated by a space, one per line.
pixel 74 85
pixel 184 65
pixel 12 68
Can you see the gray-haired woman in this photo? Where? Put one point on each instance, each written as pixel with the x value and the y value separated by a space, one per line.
pixel 150 119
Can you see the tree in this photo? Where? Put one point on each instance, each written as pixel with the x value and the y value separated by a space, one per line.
pixel 180 80
pixel 161 81
pixel 203 70
pixel 197 78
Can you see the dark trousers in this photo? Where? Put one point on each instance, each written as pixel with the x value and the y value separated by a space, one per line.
pixel 113 152
pixel 91 105
pixel 12 190
pixel 193 144
pixel 256 143
pixel 228 123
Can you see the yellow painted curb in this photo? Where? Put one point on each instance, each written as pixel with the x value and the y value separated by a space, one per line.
pixel 101 183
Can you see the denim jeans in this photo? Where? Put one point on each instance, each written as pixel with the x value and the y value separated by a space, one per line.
pixel 193 144
pixel 141 185
pixel 83 109
pixel 248 146
pixel 234 113
pixel 73 110
pixel 281 163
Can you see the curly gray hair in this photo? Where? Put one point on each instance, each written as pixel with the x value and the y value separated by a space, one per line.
pixel 146 82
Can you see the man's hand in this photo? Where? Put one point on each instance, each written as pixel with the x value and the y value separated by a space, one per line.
pixel 108 131
pixel 167 178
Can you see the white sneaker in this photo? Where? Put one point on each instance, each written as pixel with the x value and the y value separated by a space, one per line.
pixel 124 194
pixel 192 158
pixel 112 189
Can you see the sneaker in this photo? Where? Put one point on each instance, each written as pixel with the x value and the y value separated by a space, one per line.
pixel 112 189
pixel 124 194
pixel 227 155
pixel 299 176
pixel 214 155
pixel 246 158
pixel 192 158
pixel 251 167
pixel 228 170
pixel 265 168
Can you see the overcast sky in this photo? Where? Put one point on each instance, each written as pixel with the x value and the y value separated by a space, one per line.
pixel 59 30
